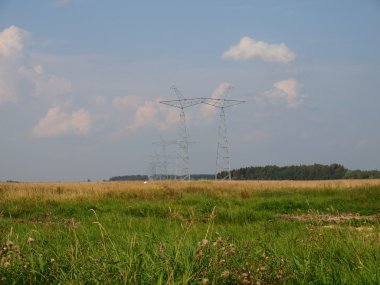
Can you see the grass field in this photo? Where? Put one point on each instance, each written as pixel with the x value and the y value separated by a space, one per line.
pixel 201 232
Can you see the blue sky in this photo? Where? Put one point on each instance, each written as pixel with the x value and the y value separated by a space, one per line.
pixel 80 82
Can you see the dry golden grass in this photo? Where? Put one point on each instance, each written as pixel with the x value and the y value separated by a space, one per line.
pixel 150 190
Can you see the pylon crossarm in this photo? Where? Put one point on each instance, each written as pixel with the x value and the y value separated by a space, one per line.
pixel 221 103
pixel 183 103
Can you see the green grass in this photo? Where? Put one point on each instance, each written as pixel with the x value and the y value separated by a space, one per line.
pixel 193 234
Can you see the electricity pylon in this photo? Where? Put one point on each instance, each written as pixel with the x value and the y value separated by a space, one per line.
pixel 223 163
pixel 182 162
pixel 164 155
pixel 154 167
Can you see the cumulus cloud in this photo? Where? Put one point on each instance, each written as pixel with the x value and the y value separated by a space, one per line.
pixel 58 122
pixel 18 78
pixel 12 41
pixel 46 85
pixel 145 115
pixel 7 92
pixel 220 92
pixel 126 102
pixel 132 113
pixel 248 49
pixel 100 100
pixel 287 90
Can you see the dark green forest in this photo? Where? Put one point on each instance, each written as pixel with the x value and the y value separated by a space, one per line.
pixel 160 177
pixel 274 172
pixel 129 178
pixel 302 172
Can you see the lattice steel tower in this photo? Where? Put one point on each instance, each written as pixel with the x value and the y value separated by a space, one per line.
pixel 182 162
pixel 154 167
pixel 163 143
pixel 223 163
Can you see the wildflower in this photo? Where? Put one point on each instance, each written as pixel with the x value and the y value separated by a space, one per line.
pixel 218 241
pixel 30 240
pixel 199 253
pixel 205 242
pixel 6 264
pixel 225 274
pixel 162 248
pixel 52 260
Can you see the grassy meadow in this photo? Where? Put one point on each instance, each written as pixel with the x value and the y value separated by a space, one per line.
pixel 198 232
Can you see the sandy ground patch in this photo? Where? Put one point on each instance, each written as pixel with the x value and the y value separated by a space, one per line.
pixel 328 217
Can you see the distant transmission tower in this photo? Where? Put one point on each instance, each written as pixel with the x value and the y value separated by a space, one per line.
pixel 182 163
pixel 154 167
pixel 164 162
pixel 223 163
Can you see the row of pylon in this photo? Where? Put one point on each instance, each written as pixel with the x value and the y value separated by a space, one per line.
pixel 182 168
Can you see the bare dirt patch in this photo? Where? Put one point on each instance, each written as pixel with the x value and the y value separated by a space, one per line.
pixel 359 229
pixel 338 218
pixel 47 220
pixel 364 231
pixel 41 219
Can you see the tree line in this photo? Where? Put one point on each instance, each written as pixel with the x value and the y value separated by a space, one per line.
pixel 302 172
pixel 274 172
pixel 129 178
pixel 139 177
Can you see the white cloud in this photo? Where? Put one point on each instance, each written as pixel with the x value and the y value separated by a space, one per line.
pixel 126 102
pixel 100 100
pixel 170 116
pixel 7 92
pixel 149 113
pixel 12 41
pixel 220 92
pixel 46 85
pixel 145 114
pixel 57 122
pixel 18 78
pixel 248 49
pixel 287 90
pixel 134 113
